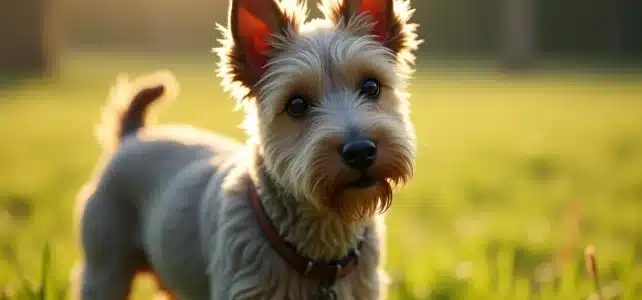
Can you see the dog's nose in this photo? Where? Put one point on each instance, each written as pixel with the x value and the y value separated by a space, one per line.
pixel 359 154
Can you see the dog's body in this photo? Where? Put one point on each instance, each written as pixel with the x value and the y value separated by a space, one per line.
pixel 176 200
pixel 183 192
pixel 189 201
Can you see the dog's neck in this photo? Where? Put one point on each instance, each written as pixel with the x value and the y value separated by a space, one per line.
pixel 316 235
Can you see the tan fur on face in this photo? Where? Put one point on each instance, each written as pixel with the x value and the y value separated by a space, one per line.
pixel 326 61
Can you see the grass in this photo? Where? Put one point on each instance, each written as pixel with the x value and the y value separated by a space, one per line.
pixel 516 177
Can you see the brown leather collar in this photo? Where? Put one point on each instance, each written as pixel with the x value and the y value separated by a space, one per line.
pixel 325 271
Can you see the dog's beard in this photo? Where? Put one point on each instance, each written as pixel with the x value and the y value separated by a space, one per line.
pixel 353 204
pixel 336 192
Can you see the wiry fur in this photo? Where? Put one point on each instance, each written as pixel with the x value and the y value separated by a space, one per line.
pixel 404 39
pixel 174 199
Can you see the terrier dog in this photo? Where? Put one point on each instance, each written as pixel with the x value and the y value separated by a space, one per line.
pixel 296 211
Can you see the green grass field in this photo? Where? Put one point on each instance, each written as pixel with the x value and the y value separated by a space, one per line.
pixel 516 177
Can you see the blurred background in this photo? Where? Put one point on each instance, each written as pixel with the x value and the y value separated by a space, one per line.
pixel 528 114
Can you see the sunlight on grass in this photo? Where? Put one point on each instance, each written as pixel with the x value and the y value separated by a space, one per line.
pixel 515 177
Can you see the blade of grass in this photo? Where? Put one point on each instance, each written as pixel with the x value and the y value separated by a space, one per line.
pixel 505 265
pixel 46 256
pixel 568 280
pixel 25 285
pixel 522 289
pixel 591 268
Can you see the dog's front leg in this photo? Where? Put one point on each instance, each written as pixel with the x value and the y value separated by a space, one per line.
pixel 227 281
pixel 237 267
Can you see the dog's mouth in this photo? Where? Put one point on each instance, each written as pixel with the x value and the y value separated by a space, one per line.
pixel 364 181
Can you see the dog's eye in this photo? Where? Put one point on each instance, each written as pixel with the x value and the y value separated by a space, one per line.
pixel 370 88
pixel 296 107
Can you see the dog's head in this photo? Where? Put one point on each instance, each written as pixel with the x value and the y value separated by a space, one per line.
pixel 325 100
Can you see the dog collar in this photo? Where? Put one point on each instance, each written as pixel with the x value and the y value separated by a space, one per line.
pixel 327 272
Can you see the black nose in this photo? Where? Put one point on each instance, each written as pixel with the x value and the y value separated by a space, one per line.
pixel 359 154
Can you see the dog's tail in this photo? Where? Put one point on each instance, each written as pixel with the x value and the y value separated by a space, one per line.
pixel 128 104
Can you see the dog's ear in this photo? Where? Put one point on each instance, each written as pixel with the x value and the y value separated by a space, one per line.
pixel 252 25
pixel 389 20
pixel 380 11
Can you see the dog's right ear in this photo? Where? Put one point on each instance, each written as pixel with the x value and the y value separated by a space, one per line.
pixel 390 21
pixel 252 25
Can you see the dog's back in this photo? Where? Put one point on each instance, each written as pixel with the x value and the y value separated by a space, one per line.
pixel 136 200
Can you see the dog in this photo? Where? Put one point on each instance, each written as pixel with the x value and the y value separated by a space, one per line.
pixel 294 212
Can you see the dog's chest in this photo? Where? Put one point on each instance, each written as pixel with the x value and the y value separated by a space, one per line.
pixel 290 285
pixel 248 268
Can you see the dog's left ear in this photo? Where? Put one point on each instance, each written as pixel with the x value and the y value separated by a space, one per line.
pixel 390 19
